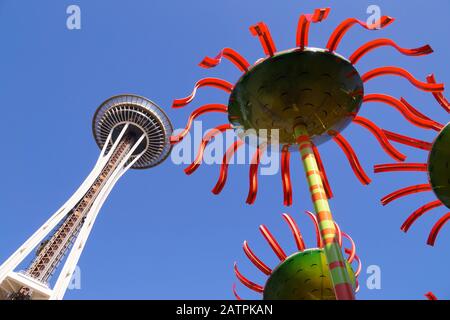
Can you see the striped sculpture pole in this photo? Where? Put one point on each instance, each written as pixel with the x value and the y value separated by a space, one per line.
pixel 343 286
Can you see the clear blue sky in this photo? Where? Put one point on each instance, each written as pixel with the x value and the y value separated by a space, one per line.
pixel 162 234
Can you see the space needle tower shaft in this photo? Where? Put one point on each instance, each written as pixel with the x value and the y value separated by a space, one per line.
pixel 54 249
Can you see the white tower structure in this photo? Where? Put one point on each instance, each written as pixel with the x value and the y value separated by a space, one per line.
pixel 132 132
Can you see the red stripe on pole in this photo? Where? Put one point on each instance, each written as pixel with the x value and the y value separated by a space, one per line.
pixel 311 172
pixel 344 290
pixel 319 196
pixel 336 264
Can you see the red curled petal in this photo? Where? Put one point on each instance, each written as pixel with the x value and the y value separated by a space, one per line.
pixel 209 135
pixel 320 14
pixel 396 71
pixel 413 109
pixel 395 167
pixel 403 109
pixel 195 114
pixel 339 234
pixel 342 28
pixel 418 213
pixel 371 45
pixel 304 22
pixel 224 167
pixel 381 137
pixel 438 95
pixel 357 259
pixel 295 232
pixel 206 82
pixel 437 125
pixel 352 252
pixel 416 143
pixel 273 243
pixel 436 228
pixel 253 174
pixel 246 282
pixel 316 227
pixel 352 158
pixel 430 296
pixel 235 292
pixel 255 260
pixel 234 57
pixel 285 175
pixel 404 192
pixel 262 31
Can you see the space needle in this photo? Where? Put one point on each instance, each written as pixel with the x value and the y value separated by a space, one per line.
pixel 132 132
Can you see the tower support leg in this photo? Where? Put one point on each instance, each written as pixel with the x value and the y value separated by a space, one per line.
pixel 32 242
pixel 342 284
pixel 117 158
pixel 68 269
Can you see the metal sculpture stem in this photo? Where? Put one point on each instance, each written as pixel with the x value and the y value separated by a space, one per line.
pixel 342 284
